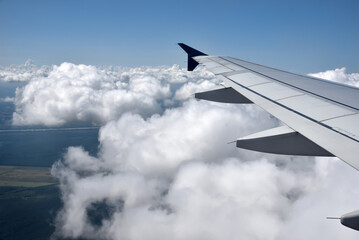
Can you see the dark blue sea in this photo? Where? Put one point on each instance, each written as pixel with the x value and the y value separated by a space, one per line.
pixel 30 212
pixel 37 145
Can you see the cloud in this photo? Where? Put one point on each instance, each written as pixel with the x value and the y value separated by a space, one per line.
pixel 189 196
pixel 82 94
pixel 188 177
pixel 334 195
pixel 163 169
pixel 87 94
pixel 7 99
pixel 206 202
pixel 339 75
pixel 24 72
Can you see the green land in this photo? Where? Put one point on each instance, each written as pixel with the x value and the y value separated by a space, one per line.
pixel 15 176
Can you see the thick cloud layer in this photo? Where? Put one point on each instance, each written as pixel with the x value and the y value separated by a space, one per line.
pixel 177 178
pixel 86 94
pixel 164 170
pixel 173 177
pixel 70 93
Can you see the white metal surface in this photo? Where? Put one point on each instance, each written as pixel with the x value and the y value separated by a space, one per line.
pixel 315 108
pixel 248 79
pixel 275 91
pixel 301 103
pixel 346 124
pixel 270 132
pixel 220 69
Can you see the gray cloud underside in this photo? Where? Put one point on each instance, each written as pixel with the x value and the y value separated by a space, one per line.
pixel 164 170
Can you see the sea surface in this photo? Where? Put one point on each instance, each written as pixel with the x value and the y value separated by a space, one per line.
pixel 37 145
pixel 29 213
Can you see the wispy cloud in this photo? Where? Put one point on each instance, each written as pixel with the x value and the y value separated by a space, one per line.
pixel 24 72
pixel 7 99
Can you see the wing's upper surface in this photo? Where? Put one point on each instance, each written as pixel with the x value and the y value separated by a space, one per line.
pixel 326 113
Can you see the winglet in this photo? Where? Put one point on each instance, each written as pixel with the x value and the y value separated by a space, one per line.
pixel 192 64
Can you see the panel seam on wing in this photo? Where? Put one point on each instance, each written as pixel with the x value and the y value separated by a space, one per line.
pixel 286 84
pixel 294 111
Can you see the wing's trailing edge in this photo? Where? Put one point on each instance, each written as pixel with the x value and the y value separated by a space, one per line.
pixel 282 140
pixel 223 95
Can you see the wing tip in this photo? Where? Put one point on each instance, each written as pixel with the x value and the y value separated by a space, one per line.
pixel 191 52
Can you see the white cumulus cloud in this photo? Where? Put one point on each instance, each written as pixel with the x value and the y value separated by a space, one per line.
pixel 339 75
pixel 173 176
pixel 87 94
pixel 193 184
pixel 164 169
pixel 23 73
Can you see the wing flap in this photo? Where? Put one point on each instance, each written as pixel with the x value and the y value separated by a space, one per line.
pixel 275 91
pixel 317 109
pixel 281 140
pixel 220 70
pixel 346 124
pixel 224 95
pixel 248 79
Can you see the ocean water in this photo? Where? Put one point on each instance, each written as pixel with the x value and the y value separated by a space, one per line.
pixel 37 145
pixel 29 213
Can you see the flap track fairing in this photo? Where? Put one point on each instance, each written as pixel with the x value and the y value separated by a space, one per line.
pixel 223 95
pixel 282 140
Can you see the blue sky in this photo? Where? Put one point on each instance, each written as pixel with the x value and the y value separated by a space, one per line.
pixel 300 36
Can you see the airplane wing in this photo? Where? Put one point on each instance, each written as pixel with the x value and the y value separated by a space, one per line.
pixel 321 117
